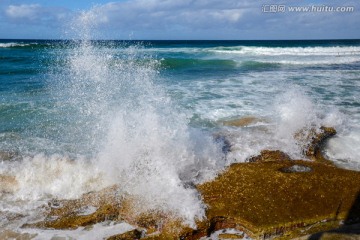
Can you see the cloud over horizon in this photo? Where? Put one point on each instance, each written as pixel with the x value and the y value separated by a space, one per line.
pixel 188 19
pixel 32 14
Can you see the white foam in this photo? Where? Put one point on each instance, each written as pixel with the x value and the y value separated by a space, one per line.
pixel 97 231
pixel 39 179
pixel 292 112
pixel 12 44
pixel 336 51
pixel 290 51
pixel 290 55
pixel 148 150
pixel 345 149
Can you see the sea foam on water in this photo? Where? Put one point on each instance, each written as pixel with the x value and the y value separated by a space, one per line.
pixel 126 132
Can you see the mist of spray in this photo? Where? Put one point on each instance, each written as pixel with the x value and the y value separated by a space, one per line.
pixel 137 137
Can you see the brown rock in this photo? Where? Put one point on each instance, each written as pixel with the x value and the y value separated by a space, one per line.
pixel 344 232
pixel 7 234
pixel 263 201
pixel 7 183
pixel 134 234
pixel 270 156
pixel 260 199
pixel 241 122
pixel 73 221
pixel 230 236
pixel 69 214
pixel 338 236
pixel 316 140
pixel 271 196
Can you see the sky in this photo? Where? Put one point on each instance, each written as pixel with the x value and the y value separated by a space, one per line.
pixel 179 19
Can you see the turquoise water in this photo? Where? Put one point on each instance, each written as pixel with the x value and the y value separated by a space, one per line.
pixel 211 80
pixel 77 116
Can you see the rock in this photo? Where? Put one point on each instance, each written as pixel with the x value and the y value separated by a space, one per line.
pixel 344 232
pixel 311 141
pixel 337 236
pixel 259 198
pixel 296 168
pixel 134 234
pixel 263 201
pixel 242 122
pixel 270 156
pixel 7 183
pixel 8 155
pixel 69 214
pixel 224 142
pixel 316 140
pixel 7 234
pixel 151 221
pixel 73 221
pixel 269 196
pixel 230 236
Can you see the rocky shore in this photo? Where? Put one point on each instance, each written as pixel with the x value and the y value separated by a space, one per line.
pixel 269 197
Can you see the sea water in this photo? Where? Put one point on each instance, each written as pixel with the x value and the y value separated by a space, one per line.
pixel 81 115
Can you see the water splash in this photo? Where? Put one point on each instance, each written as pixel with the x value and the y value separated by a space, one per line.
pixel 292 116
pixel 114 124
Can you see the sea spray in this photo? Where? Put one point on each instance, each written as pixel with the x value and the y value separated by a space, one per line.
pixel 111 123
pixel 285 126
pixel 296 116
pixel 147 144
pixel 41 177
pixel 138 138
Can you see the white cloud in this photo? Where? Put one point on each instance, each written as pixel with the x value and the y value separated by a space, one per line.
pixel 157 14
pixel 233 15
pixel 23 11
pixel 211 19
pixel 208 19
pixel 35 14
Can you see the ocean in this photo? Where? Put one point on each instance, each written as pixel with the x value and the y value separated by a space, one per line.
pixel 150 117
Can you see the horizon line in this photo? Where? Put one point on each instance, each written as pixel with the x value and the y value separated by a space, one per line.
pixel 54 39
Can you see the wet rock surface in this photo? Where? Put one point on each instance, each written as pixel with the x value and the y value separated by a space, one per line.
pixel 8 155
pixel 7 234
pixel 242 122
pixel 7 183
pixel 270 196
pixel 134 234
pixel 69 214
pixel 316 140
pixel 270 156
pixel 262 201
pixel 296 168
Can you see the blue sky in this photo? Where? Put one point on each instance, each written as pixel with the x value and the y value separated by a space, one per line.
pixel 176 19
